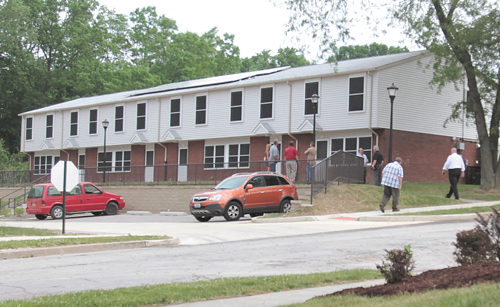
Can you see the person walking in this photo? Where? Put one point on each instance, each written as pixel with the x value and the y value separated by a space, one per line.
pixel 291 157
pixel 274 156
pixel 378 158
pixel 393 182
pixel 456 168
pixel 311 160
pixel 361 153
pixel 266 157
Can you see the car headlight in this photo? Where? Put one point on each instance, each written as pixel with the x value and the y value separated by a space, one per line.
pixel 215 197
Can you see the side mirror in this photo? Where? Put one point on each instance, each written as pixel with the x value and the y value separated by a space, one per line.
pixel 248 187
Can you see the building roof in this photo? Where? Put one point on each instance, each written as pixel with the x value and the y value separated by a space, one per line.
pixel 237 80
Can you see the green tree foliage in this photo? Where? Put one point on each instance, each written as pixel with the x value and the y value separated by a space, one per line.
pixel 364 51
pixel 463 35
pixel 264 60
pixel 11 162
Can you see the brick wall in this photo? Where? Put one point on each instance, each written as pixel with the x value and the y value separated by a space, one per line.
pixel 423 154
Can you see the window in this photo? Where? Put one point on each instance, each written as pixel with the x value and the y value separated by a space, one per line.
pixel 29 128
pixel 93 121
pixel 214 156
pixel 311 88
pixel 101 166
pixel 175 113
pixel 352 145
pixel 73 124
pixel 239 155
pixel 356 93
pixel 266 102
pixel 366 144
pixel 201 110
pixel 49 127
pixel 43 164
pixel 121 162
pixel 118 118
pixel 322 150
pixel 141 116
pixel 236 106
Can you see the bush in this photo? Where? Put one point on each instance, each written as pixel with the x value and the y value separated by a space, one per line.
pixel 490 226
pixel 19 211
pixel 397 264
pixel 472 247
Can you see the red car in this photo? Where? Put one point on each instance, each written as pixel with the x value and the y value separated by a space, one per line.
pixel 44 199
pixel 245 193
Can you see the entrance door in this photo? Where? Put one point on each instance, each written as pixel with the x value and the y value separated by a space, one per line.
pixel 182 169
pixel 149 172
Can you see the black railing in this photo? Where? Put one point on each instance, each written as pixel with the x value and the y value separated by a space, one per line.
pixel 339 167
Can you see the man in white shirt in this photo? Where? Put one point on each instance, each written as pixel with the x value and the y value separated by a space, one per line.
pixel 361 153
pixel 456 168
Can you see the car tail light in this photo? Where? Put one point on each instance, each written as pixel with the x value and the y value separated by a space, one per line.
pixel 43 203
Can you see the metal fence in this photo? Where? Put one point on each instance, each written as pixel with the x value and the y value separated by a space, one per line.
pixel 339 167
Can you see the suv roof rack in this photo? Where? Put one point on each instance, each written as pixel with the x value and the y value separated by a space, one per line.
pixel 238 174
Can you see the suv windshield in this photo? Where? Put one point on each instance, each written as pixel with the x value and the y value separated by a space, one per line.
pixel 231 183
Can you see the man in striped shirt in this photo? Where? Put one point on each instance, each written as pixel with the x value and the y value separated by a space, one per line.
pixel 392 180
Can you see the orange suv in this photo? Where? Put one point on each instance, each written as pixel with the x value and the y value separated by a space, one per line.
pixel 245 193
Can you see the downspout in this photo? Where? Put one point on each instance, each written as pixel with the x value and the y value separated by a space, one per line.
pixel 159 143
pixel 67 153
pixel 371 107
pixel 290 116
pixel 159 132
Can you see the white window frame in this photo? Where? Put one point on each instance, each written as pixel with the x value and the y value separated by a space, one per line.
pixel 356 94
pixel 45 167
pixel 261 103
pixel 142 116
pixel 93 122
pixel 47 127
pixel 205 110
pixel 231 107
pixel 29 130
pixel 73 124
pixel 171 113
pixel 308 99
pixel 122 119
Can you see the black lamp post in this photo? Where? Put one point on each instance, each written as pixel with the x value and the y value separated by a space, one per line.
pixel 314 100
pixel 392 94
pixel 105 125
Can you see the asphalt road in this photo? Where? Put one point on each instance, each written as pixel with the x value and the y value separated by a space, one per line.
pixel 221 249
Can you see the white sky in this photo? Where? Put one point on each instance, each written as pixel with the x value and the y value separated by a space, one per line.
pixel 256 24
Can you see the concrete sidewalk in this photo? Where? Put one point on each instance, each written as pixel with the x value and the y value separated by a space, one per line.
pixel 282 298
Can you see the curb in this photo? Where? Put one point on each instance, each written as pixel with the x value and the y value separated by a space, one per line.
pixel 82 248
pixel 285 220
pixel 418 218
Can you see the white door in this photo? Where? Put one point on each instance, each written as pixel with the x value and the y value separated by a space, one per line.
pixel 149 172
pixel 182 168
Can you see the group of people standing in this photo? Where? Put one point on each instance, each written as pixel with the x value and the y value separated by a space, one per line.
pixel 271 156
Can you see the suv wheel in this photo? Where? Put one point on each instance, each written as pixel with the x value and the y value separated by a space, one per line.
pixel 203 218
pixel 233 211
pixel 285 206
pixel 56 212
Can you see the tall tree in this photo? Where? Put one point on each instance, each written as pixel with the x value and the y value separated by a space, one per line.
pixel 464 37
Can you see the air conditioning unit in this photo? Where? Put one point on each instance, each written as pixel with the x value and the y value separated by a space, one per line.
pixel 460 146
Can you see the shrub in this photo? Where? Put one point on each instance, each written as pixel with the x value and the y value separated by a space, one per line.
pixel 19 211
pixel 472 247
pixel 397 264
pixel 490 226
